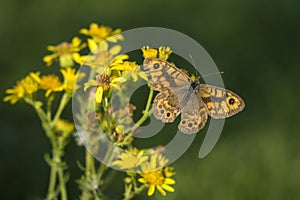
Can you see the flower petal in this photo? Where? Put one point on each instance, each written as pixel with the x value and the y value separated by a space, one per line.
pixel 169 181
pixel 151 190
pixel 99 94
pixel 167 187
pixel 76 41
pixel 159 188
pixel 141 180
pixel 115 49
pixel 103 46
pixel 92 46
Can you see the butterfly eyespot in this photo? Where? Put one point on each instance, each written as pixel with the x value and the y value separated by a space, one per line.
pixel 190 125
pixel 231 101
pixel 195 123
pixel 160 106
pixel 162 111
pixel 156 66
pixel 168 114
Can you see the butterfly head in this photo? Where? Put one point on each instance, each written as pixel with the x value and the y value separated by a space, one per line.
pixel 195 83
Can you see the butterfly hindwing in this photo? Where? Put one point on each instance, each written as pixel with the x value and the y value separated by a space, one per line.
pixel 193 115
pixel 166 106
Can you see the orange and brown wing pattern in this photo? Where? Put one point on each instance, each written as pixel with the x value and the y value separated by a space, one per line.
pixel 193 121
pixel 163 74
pixel 219 102
pixel 166 106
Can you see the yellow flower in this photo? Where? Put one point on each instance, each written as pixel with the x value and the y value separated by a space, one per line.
pixel 101 33
pixel 26 87
pixel 149 52
pixel 102 57
pixel 65 52
pixel 31 83
pixel 14 94
pixel 131 69
pixel 157 180
pixel 70 77
pixel 50 83
pixel 103 83
pixel 64 128
pixel 156 177
pixel 164 52
pixel 169 172
pixel 131 159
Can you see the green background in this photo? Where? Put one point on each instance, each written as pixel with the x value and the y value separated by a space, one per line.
pixel 256 44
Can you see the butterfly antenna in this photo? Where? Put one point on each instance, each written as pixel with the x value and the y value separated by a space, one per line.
pixel 192 60
pixel 193 63
pixel 212 74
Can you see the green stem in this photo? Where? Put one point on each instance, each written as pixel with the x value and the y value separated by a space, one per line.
pixel 49 104
pixel 62 184
pixel 56 167
pixel 52 182
pixel 146 113
pixel 106 160
pixel 89 171
pixel 63 102
pixel 128 195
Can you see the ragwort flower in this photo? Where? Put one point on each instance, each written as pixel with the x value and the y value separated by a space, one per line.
pixel 149 52
pixel 50 83
pixel 162 52
pixel 15 94
pixel 102 56
pixel 131 159
pixel 130 69
pixel 103 83
pixel 156 177
pixel 65 52
pixel 101 33
pixel 70 77
pixel 24 88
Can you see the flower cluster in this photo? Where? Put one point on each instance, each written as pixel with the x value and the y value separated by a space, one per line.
pixel 151 169
pixel 110 70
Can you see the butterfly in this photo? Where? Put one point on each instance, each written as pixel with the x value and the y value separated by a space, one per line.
pixel 179 94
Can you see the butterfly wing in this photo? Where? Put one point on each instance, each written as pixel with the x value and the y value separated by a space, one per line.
pixel 163 74
pixel 166 106
pixel 193 115
pixel 219 102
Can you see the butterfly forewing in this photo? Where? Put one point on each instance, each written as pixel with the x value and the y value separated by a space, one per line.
pixel 165 75
pixel 219 102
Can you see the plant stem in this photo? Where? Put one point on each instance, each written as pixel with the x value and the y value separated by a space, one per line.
pixel 62 184
pixel 55 164
pixel 52 182
pixel 130 195
pixel 106 159
pixel 63 102
pixel 89 171
pixel 146 114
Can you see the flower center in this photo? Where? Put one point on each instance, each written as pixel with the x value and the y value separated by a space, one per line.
pixel 103 80
pixel 155 177
pixel 64 48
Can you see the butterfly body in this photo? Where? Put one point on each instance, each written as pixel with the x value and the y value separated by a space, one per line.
pixel 195 101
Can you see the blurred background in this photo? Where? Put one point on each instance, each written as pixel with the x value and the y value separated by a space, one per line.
pixel 256 44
